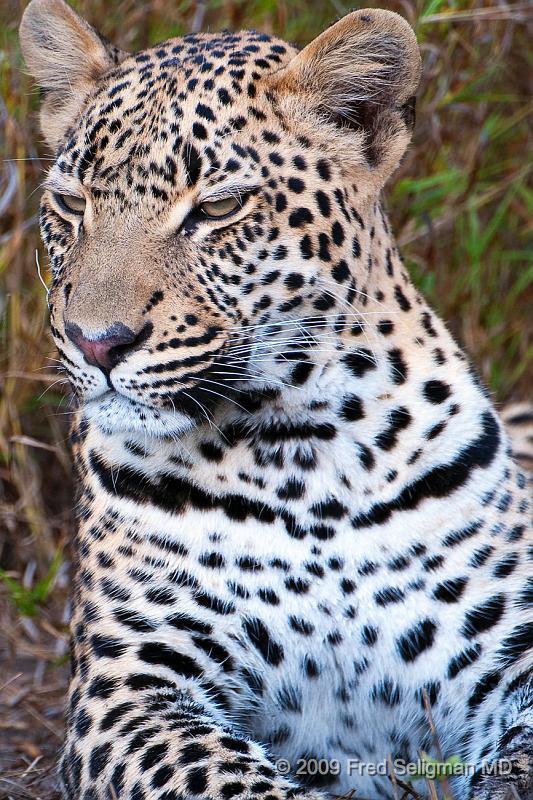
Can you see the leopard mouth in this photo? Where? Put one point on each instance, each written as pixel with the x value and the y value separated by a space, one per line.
pixel 168 404
pixel 176 408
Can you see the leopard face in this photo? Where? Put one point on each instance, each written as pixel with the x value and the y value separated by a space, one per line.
pixel 207 204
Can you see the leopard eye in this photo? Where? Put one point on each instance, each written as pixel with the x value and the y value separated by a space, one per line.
pixel 216 209
pixel 71 203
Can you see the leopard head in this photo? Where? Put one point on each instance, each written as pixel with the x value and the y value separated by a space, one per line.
pixel 209 202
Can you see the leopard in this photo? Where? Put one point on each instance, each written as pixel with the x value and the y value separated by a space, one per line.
pixel 303 546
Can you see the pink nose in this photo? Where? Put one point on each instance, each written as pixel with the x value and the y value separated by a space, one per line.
pixel 106 349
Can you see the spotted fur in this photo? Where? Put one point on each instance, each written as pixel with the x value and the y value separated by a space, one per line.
pixel 298 511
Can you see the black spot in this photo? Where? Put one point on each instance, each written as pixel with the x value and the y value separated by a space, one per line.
pixel 254 680
pixel 506 566
pixel 296 185
pixel 311 667
pixel 399 419
pixel 107 646
pixel 388 595
pixel 249 564
pixel 297 585
pixel 114 715
pixel 289 698
pixel 401 299
pixel 140 682
pixel 399 369
pixel 449 591
pixel 205 112
pixel 159 654
pixel 215 651
pixel 427 324
pixel 117 779
pixel 366 457
pixel 436 391
pixel 352 408
pixel 224 96
pixel 323 203
pixel 419 638
pixel 435 431
pixel 387 692
pixel 160 596
pixel 340 272
pixel 99 759
pixel 323 169
pixel 193 753
pixel 301 373
pixel 212 560
pixel 324 301
pixel 184 622
pixel 193 164
pixel 211 451
pixel 334 638
pixel 484 616
pixel 153 755
pixel 102 687
pixel 83 723
pixel 385 327
pixel 160 778
pixel 293 489
pixel 516 644
pixel 268 596
pixel 456 537
pixel 259 636
pixel 463 660
pixel 525 598
pixel 359 362
pixel 306 247
pixel 330 508
pixel 294 281
pixel 232 788
pixel 300 217
pixel 199 131
pixel 197 780
pixel 483 687
pixel 347 586
pixel 369 635
pixel 213 603
pixel 480 556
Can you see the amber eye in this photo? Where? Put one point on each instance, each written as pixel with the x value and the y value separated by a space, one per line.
pixel 71 203
pixel 216 209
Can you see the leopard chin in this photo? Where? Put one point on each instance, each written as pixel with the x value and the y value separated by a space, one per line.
pixel 115 413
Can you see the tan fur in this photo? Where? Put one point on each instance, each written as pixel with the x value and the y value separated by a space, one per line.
pixel 369 58
pixel 66 57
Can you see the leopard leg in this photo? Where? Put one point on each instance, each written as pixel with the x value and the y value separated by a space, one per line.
pixel 140 736
pixel 509 775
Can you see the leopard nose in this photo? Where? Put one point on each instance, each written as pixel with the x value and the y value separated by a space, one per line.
pixel 107 348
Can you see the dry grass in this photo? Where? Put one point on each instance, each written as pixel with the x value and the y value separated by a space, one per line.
pixel 461 206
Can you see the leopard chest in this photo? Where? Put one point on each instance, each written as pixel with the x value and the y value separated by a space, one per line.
pixel 293 629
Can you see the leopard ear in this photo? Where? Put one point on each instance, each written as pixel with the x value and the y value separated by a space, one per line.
pixel 67 58
pixel 360 75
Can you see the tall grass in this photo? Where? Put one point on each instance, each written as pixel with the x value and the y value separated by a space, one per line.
pixel 461 206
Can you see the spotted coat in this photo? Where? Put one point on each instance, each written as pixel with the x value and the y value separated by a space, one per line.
pixel 299 520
